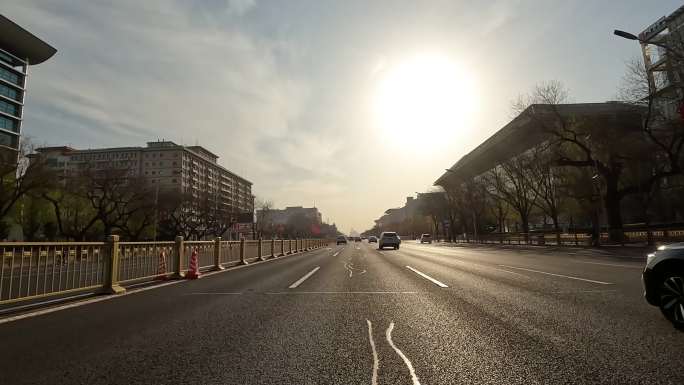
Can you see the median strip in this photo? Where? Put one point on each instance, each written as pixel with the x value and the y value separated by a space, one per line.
pixel 436 282
pixel 304 278
pixel 558 275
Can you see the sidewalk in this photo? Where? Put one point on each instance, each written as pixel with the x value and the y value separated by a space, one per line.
pixel 632 252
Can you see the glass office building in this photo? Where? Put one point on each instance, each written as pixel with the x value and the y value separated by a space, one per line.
pixel 18 49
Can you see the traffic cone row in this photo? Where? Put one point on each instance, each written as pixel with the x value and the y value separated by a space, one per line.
pixel 161 269
pixel 193 269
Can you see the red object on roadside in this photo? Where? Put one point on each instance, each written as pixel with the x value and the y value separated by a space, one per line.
pixel 193 269
pixel 161 269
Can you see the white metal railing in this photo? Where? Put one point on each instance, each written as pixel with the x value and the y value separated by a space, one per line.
pixel 32 270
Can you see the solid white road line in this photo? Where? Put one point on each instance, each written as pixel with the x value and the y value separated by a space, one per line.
pixel 335 255
pixel 340 292
pixel 304 278
pixel 412 371
pixel 612 264
pixel 558 275
pixel 210 293
pixel 436 282
pixel 376 361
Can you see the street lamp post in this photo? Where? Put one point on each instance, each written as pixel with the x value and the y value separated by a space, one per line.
pixel 630 36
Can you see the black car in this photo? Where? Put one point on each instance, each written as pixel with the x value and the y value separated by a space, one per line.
pixel 663 280
pixel 357 239
pixel 341 240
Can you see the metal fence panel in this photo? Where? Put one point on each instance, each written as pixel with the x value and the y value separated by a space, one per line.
pixel 145 260
pixel 205 253
pixel 34 270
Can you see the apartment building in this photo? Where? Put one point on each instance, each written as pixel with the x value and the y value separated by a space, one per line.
pixel 168 166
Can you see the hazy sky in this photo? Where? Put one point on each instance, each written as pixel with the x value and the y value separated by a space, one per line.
pixel 285 91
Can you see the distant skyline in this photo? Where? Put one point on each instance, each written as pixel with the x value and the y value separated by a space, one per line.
pixel 286 92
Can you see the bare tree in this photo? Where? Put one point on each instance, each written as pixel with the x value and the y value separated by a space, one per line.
pixel 18 177
pixel 264 217
pixel 434 205
pixel 178 213
pixel 547 181
pixel 75 217
pixel 605 148
pixel 512 183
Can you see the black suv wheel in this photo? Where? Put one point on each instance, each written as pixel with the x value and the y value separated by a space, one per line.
pixel 671 294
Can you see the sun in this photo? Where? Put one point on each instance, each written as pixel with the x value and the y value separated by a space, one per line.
pixel 425 99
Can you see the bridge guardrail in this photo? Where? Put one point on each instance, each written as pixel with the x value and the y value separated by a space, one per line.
pixel 35 270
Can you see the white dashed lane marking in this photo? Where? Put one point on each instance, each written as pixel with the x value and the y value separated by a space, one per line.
pixel 436 282
pixel 304 278
pixel 558 275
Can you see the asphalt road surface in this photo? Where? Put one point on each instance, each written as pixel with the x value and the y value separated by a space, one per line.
pixel 351 314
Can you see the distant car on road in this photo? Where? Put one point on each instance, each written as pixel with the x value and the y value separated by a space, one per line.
pixel 426 238
pixel 389 239
pixel 357 239
pixel 372 239
pixel 663 280
pixel 341 240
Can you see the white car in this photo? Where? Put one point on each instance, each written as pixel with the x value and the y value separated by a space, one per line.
pixel 389 239
pixel 426 238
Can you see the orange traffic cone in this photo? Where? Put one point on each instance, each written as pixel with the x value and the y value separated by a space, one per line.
pixel 193 269
pixel 161 269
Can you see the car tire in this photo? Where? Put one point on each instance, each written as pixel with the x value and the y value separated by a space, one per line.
pixel 671 294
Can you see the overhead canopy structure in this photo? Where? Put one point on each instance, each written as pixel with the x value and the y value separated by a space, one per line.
pixel 23 44
pixel 523 133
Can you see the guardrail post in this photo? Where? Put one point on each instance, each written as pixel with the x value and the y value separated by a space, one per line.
pixel 178 258
pixel 111 279
pixel 282 247
pixel 273 248
pixel 217 254
pixel 289 245
pixel 260 250
pixel 242 252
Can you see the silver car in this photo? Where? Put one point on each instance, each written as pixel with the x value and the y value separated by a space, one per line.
pixel 389 239
pixel 663 280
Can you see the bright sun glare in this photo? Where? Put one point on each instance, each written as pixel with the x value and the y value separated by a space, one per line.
pixel 427 98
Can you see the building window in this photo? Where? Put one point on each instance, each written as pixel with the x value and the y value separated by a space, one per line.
pixel 8 140
pixel 10 92
pixel 10 76
pixel 9 124
pixel 9 108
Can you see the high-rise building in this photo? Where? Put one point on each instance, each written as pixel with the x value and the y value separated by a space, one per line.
pixel 662 44
pixel 18 49
pixel 192 170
